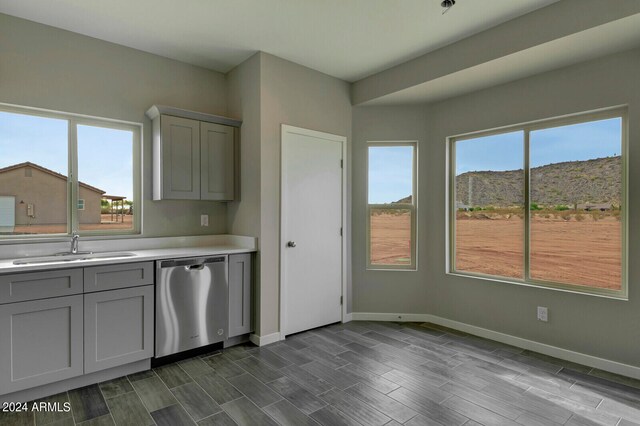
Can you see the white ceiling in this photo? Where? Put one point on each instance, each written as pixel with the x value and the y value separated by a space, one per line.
pixel 348 39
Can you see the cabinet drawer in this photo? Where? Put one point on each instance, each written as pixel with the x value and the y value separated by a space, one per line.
pixel 40 285
pixel 109 277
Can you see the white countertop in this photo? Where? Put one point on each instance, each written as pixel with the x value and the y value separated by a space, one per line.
pixel 216 246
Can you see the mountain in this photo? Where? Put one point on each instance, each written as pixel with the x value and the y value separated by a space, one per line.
pixel 568 183
pixel 405 200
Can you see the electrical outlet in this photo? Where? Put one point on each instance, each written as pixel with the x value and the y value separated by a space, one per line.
pixel 543 314
pixel 204 220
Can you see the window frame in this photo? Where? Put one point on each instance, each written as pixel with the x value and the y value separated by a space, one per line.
pixel 79 202
pixel 73 223
pixel 566 120
pixel 413 208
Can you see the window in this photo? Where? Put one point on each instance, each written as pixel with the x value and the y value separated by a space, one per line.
pixel 61 173
pixel 543 203
pixel 391 207
pixel 487 185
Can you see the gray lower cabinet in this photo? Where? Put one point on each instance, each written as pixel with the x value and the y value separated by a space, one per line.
pixel 118 327
pixel 240 294
pixel 40 342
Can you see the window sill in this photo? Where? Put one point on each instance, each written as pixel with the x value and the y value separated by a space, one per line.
pixel 392 269
pixel 620 297
pixel 40 239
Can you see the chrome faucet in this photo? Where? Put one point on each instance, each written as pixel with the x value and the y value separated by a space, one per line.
pixel 74 243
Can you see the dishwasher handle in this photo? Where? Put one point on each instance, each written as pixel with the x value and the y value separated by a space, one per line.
pixel 192 263
pixel 196 267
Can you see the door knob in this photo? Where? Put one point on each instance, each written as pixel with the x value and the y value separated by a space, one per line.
pixel 291 244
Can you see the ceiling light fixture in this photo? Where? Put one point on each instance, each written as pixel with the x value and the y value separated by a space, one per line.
pixel 447 4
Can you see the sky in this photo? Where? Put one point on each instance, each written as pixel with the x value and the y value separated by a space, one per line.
pixel 576 142
pixel 390 173
pixel 105 156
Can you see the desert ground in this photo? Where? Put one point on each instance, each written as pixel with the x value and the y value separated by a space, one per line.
pixel 62 228
pixel 391 239
pixel 563 249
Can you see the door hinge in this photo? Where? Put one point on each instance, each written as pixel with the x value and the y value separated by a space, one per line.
pixel 341 232
pixel 341 164
pixel 341 300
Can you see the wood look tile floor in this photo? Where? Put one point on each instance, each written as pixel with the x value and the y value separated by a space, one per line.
pixel 359 373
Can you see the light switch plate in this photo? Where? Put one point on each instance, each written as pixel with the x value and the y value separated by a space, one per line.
pixel 204 220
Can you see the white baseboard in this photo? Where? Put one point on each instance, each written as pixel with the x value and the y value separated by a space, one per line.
pixel 566 354
pixel 347 318
pixel 265 340
pixel 375 316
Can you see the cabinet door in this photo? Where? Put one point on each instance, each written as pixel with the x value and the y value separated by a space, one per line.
pixel 40 342
pixel 240 294
pixel 118 327
pixel 180 158
pixel 217 162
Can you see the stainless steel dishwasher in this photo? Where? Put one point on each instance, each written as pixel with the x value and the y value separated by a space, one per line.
pixel 191 303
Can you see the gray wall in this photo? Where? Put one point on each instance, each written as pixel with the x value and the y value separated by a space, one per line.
pixel 298 96
pixel 588 324
pixel 288 94
pixel 45 67
pixel 386 291
pixel 243 95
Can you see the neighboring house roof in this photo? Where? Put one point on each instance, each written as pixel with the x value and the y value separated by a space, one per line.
pixel 114 197
pixel 48 171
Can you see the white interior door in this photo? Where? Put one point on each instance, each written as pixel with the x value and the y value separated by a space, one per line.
pixel 311 240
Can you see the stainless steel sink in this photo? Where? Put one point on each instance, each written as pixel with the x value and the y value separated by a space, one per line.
pixel 109 255
pixel 69 257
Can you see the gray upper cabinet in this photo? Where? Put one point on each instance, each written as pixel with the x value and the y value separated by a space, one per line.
pixel 193 155
pixel 240 294
pixel 118 327
pixel 217 146
pixel 40 342
pixel 179 166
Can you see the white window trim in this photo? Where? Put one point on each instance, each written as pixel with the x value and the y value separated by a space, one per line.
pixel 413 266
pixel 603 114
pixel 73 224
pixel 79 202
